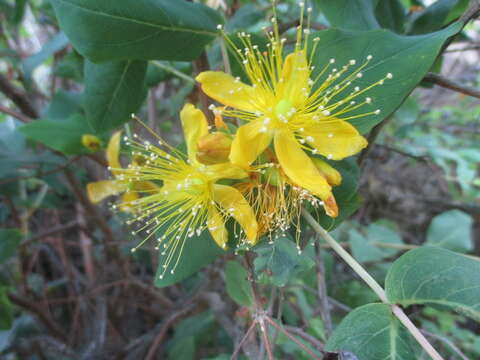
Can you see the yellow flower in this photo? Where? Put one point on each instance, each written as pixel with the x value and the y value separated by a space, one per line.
pixel 99 190
pixel 277 202
pixel 286 106
pixel 190 199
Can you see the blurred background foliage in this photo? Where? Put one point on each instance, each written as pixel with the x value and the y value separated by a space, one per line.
pixel 69 286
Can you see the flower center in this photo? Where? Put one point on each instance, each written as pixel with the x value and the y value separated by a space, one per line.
pixel 284 110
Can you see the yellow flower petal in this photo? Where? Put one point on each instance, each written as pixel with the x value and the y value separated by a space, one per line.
pixel 113 151
pixel 332 175
pixel 225 171
pixel 194 126
pixel 298 166
pixel 336 139
pixel 216 226
pixel 127 198
pixel 235 204
pixel 295 75
pixel 228 91
pixel 97 191
pixel 249 142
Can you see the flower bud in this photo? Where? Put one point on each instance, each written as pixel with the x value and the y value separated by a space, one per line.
pixel 213 148
pixel 91 142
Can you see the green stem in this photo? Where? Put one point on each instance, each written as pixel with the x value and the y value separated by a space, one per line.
pixel 374 285
pixel 174 71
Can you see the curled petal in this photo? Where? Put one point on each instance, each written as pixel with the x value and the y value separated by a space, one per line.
pixel 233 202
pixel 97 191
pixel 113 151
pixel 127 199
pixel 225 89
pixel 330 206
pixel 249 142
pixel 332 175
pixel 216 226
pixel 336 139
pixel 298 166
pixel 194 126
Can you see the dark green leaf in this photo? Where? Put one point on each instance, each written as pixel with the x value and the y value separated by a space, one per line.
pixel 438 276
pixel 57 43
pixel 280 261
pixel 391 15
pixel 247 16
pixel 63 105
pixel 350 14
pixel 9 240
pixel 71 67
pixel 451 230
pixel 408 58
pixel 199 251
pixel 64 136
pixel 236 279
pixel 137 29
pixel 6 309
pixel 433 17
pixel 183 349
pixel 375 245
pixel 371 332
pixel 113 91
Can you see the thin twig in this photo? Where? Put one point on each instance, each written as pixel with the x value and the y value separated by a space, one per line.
pixel 287 334
pixel 236 352
pixel 163 331
pixel 266 340
pixel 70 225
pixel 18 97
pixel 307 337
pixel 15 114
pixel 322 292
pixel 452 85
pixel 447 342
pixel 40 312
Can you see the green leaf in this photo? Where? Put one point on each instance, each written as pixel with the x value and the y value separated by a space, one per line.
pixel 6 310
pixel 113 91
pixel 64 136
pixel 390 15
pixel 438 276
pixel 408 58
pixel 57 43
pixel 137 29
pixel 71 67
pixel 236 279
pixel 280 261
pixel 451 230
pixel 433 17
pixel 183 349
pixel 198 252
pixel 244 18
pixel 374 246
pixel 63 105
pixel 372 332
pixel 9 240
pixel 350 14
